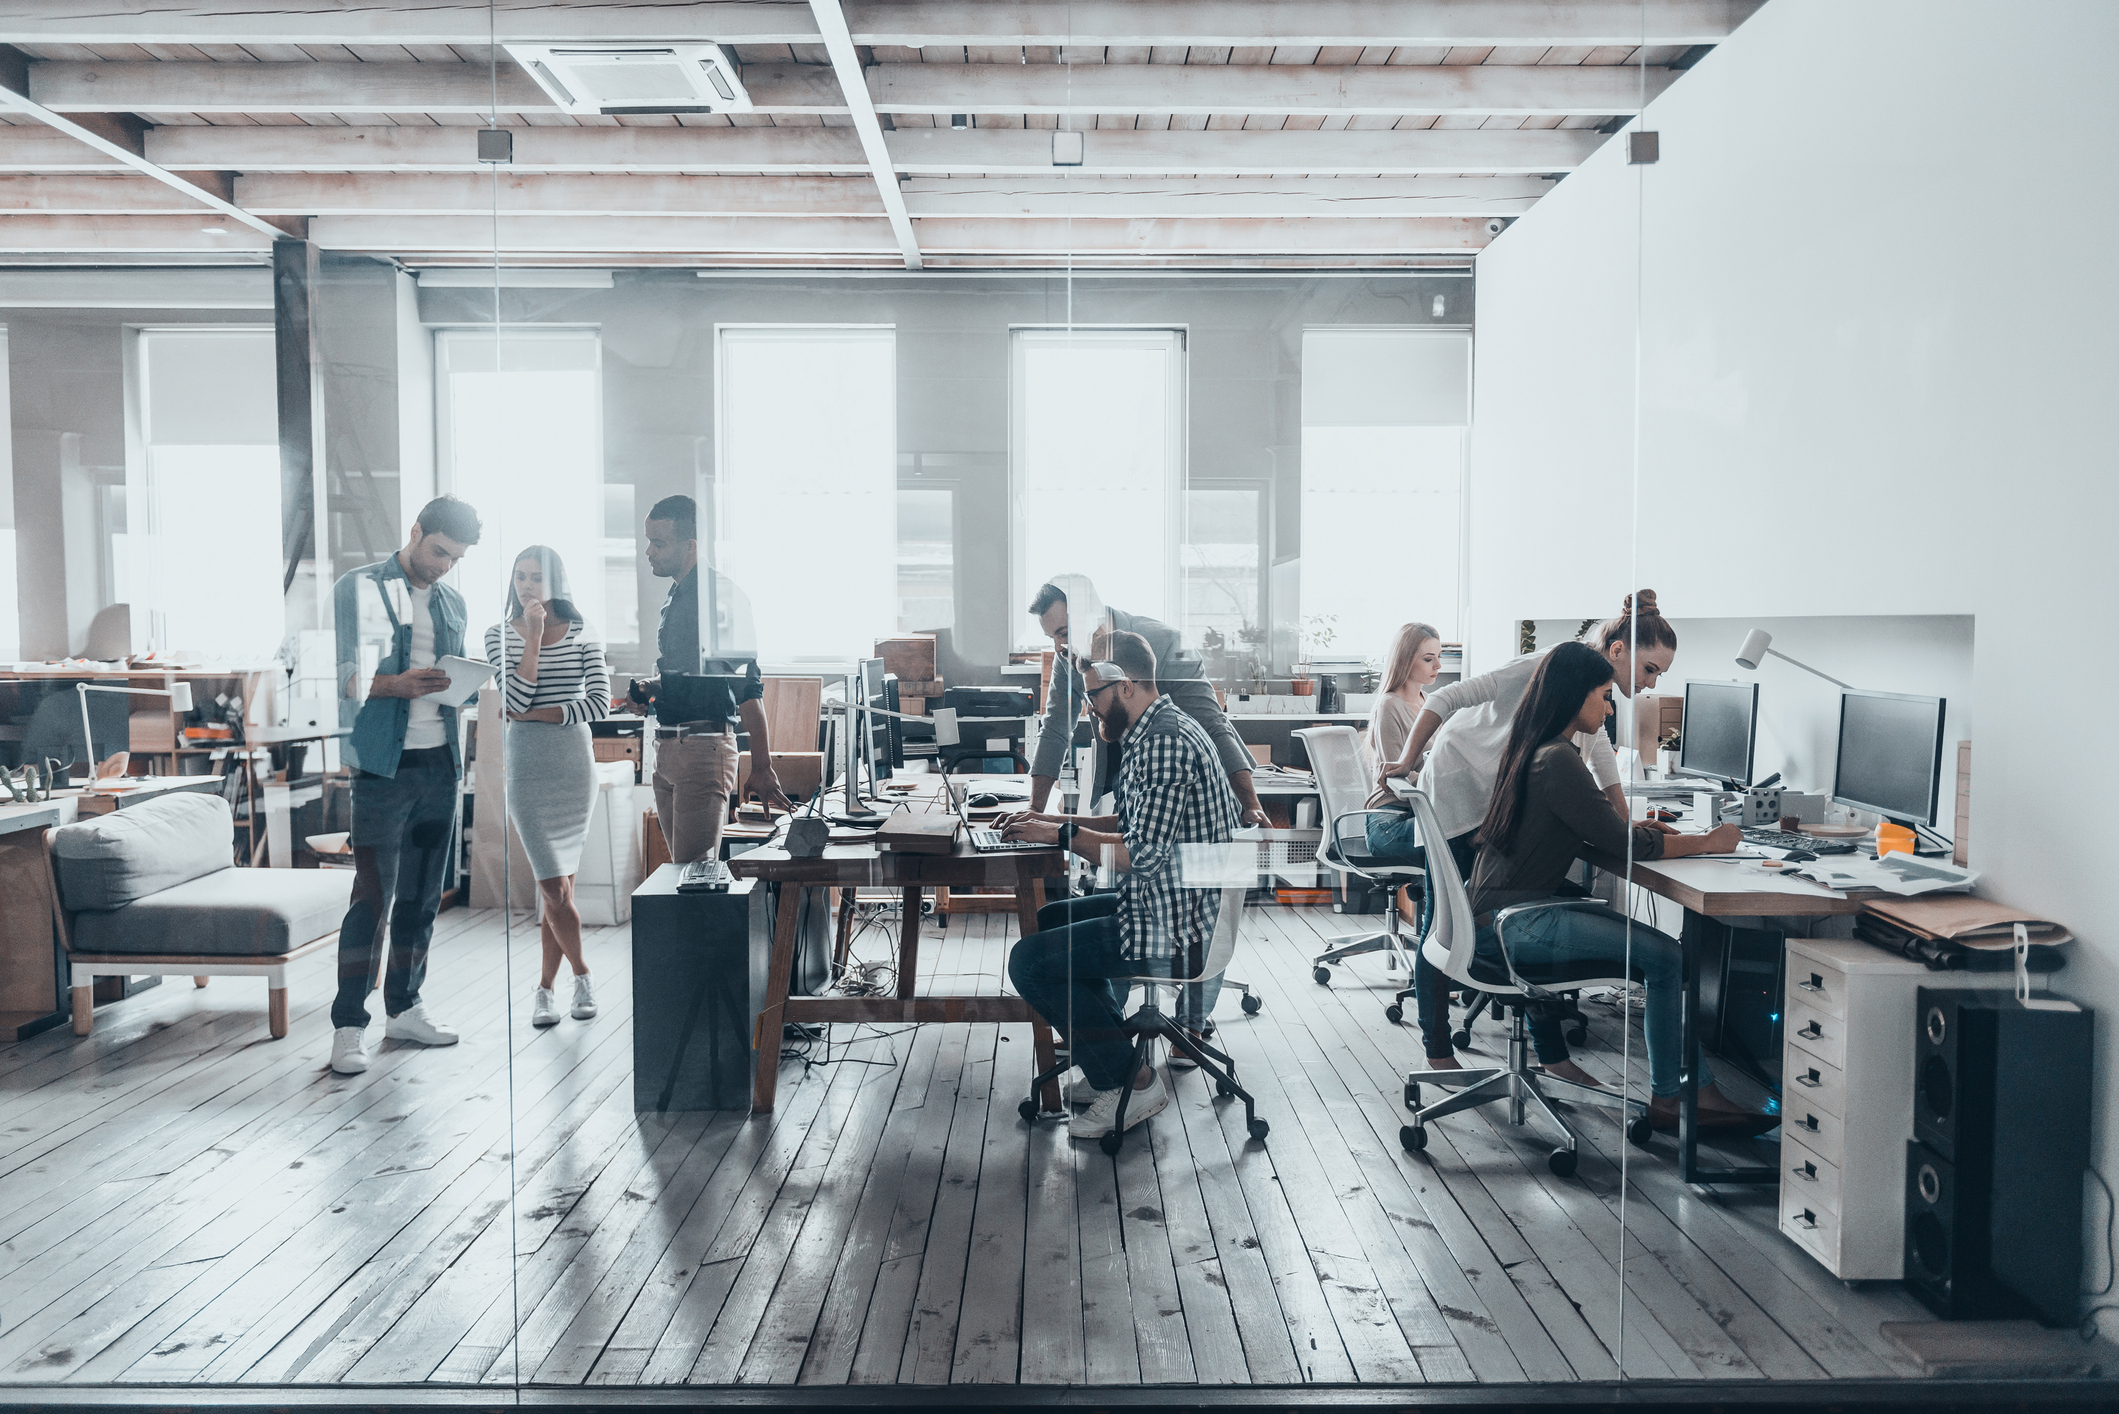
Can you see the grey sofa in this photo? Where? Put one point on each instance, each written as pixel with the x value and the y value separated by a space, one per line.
pixel 154 889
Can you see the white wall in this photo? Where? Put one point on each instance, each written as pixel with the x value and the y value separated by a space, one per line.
pixel 1877 358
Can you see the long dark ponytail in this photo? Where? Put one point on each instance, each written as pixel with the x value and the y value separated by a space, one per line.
pixel 1565 677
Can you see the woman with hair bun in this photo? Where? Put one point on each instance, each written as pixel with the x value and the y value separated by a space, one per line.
pixel 1456 747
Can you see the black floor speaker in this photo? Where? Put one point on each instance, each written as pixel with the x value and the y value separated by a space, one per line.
pixel 2001 1136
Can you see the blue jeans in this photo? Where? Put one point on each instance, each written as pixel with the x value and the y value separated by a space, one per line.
pixel 1553 936
pixel 1064 971
pixel 1195 1003
pixel 402 837
pixel 1392 838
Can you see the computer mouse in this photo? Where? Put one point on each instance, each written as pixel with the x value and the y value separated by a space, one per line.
pixel 984 800
pixel 1798 856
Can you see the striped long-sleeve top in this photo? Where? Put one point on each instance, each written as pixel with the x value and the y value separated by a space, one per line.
pixel 571 674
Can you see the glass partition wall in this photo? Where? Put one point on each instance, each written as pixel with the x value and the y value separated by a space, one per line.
pixel 869 823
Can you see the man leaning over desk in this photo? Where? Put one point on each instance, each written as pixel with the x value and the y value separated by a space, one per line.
pixel 1070 612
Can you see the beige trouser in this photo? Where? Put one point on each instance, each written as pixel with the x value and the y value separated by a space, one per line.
pixel 694 777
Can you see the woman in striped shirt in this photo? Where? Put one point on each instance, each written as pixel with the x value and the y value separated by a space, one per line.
pixel 557 682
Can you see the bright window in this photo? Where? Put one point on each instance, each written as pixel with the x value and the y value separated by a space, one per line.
pixel 209 434
pixel 926 558
pixel 520 430
pixel 1097 465
pixel 1384 418
pixel 1224 558
pixel 806 486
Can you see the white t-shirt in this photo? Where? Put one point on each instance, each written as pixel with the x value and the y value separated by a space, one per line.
pixel 423 729
pixel 1465 755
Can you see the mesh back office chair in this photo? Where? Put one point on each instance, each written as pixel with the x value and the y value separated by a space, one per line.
pixel 1451 946
pixel 1344 777
pixel 1204 866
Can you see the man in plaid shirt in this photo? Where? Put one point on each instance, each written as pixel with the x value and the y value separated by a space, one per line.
pixel 1171 791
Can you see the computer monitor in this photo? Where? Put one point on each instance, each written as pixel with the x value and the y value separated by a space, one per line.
pixel 1720 731
pixel 1890 754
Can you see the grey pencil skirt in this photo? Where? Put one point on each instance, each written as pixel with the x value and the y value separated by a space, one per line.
pixel 551 790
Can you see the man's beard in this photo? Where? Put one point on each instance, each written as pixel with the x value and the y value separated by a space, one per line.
pixel 1111 722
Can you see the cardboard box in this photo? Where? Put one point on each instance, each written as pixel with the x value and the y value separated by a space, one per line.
pixel 919 687
pixel 910 658
pixel 801 773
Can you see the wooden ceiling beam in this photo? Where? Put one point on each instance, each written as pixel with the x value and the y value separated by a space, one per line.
pixel 1264 23
pixel 1309 89
pixel 137 235
pixel 189 86
pixel 1420 23
pixel 1129 198
pixel 823 237
pixel 915 151
pixel 87 194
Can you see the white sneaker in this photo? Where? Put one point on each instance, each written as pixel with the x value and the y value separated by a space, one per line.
pixel 413 1024
pixel 1101 1118
pixel 584 997
pixel 348 1055
pixel 544 1008
pixel 1080 1093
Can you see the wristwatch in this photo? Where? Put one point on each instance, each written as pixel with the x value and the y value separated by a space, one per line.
pixel 1066 835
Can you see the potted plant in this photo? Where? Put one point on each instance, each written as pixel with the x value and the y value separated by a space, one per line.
pixel 1666 756
pixel 1318 632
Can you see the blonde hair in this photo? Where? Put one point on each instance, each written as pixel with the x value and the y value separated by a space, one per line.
pixel 1403 650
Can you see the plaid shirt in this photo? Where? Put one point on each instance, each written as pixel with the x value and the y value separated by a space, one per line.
pixel 1171 791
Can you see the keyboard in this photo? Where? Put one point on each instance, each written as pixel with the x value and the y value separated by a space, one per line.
pixel 1781 839
pixel 990 842
pixel 704 876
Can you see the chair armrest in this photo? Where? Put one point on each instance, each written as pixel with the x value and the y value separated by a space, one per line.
pixel 1571 905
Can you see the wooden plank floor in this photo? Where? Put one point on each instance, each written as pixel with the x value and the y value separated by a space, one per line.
pixel 184 1199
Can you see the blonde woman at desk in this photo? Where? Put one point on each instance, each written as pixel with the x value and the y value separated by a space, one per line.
pixel 557 682
pixel 1415 662
pixel 1456 746
pixel 1545 813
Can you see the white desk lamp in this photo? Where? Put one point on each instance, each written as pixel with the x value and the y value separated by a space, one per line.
pixel 179 701
pixel 1757 647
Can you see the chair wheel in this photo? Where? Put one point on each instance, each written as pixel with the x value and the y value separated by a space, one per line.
pixel 1223 1087
pixel 1562 1163
pixel 1251 1005
pixel 1578 1036
pixel 1111 1143
pixel 1394 1014
pixel 1322 974
pixel 1412 1094
pixel 1259 1129
pixel 1028 1110
pixel 1413 1137
pixel 1461 1039
pixel 1639 1132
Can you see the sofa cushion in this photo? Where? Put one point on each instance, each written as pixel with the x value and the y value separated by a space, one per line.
pixel 114 859
pixel 231 913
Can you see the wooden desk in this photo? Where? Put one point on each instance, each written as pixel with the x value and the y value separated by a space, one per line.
pixel 847 867
pixel 1710 890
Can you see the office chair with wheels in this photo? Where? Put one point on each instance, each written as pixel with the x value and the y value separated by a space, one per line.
pixel 1451 946
pixel 1150 1023
pixel 1344 774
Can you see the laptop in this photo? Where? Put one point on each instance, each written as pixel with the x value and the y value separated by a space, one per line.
pixel 985 838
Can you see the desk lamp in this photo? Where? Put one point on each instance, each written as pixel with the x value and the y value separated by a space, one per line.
pixel 1757 649
pixel 179 700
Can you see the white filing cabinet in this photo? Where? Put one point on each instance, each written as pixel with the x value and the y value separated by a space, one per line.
pixel 1847 1100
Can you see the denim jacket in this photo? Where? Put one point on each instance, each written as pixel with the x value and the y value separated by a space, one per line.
pixel 368 609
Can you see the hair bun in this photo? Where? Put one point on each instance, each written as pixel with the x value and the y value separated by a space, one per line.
pixel 1641 604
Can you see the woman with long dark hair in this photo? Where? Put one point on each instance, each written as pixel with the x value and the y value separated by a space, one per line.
pixel 1468 725
pixel 1546 812
pixel 557 683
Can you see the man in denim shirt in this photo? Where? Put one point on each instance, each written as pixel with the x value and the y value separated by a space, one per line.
pixel 396 620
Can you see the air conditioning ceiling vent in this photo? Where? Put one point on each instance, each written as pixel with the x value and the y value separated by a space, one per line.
pixel 636 78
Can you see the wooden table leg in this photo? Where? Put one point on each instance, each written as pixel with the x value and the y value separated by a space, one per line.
pixel 1029 898
pixel 767 1038
pixel 908 941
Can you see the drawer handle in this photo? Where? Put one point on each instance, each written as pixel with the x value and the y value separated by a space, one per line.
pixel 1815 984
pixel 1810 1121
pixel 1811 1031
pixel 1807 1173
pixel 1807 1219
pixel 1810 1078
